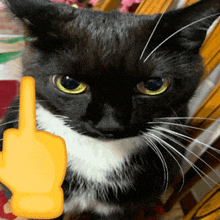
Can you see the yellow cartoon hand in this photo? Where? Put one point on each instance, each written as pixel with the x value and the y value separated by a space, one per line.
pixel 33 163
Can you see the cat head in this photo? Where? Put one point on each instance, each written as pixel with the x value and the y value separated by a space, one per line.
pixel 95 68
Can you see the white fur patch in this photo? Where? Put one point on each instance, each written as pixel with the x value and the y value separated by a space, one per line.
pixel 88 157
pixel 88 202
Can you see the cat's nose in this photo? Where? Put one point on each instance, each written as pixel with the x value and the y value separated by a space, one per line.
pixel 107 119
pixel 109 126
pixel 109 123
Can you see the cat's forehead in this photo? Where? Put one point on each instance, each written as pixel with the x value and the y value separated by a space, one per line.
pixel 84 18
pixel 103 30
pixel 100 43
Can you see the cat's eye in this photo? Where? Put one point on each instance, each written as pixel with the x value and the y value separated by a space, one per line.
pixel 153 86
pixel 69 85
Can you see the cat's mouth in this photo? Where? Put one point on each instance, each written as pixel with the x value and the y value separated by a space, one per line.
pixel 115 134
pixel 109 137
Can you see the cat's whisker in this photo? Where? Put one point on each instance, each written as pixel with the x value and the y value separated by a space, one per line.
pixel 13 61
pixel 181 29
pixel 187 137
pixel 199 171
pixel 62 116
pixel 159 154
pixel 10 107
pixel 175 151
pixel 142 54
pixel 180 125
pixel 164 164
pixel 41 100
pixel 14 111
pixel 6 124
pixel 183 180
pixel 174 112
pixel 20 67
pixel 5 108
pixel 70 185
pixel 181 145
pixel 193 118
pixel 9 122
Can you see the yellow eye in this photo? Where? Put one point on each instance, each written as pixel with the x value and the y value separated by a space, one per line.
pixel 69 85
pixel 153 86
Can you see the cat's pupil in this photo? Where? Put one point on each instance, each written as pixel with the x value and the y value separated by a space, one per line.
pixel 69 83
pixel 154 84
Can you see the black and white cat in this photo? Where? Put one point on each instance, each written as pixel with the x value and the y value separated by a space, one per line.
pixel 111 85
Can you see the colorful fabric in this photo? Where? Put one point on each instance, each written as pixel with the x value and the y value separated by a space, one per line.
pixel 126 6
pixel 1 6
pixel 5 212
pixel 71 2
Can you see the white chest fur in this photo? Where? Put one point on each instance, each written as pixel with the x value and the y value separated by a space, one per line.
pixel 88 157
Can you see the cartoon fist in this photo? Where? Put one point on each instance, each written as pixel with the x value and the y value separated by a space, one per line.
pixel 33 163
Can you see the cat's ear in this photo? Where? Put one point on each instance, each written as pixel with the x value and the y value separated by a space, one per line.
pixel 40 16
pixel 192 23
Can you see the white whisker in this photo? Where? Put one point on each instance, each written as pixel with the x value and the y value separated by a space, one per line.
pixel 184 136
pixel 14 111
pixel 9 122
pixel 153 31
pixel 175 141
pixel 12 60
pixel 180 125
pixel 183 180
pixel 199 171
pixel 177 117
pixel 181 145
pixel 177 33
pixel 183 118
pixel 159 154
pixel 38 101
pixel 10 107
pixel 6 107
pixel 62 116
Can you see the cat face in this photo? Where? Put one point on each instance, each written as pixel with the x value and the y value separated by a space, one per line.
pixel 93 67
pixel 102 81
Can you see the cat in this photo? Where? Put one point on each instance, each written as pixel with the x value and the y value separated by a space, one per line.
pixel 113 85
